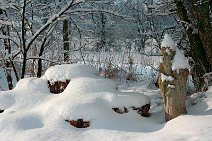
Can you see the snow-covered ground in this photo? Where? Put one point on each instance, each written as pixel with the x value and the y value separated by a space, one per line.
pixel 32 113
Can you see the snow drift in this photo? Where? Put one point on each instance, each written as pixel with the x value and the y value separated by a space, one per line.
pixel 32 113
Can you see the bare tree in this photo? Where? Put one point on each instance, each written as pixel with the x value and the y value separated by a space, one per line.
pixel 197 49
pixel 66 40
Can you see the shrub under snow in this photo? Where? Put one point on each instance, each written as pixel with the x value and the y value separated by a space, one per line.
pixel 87 97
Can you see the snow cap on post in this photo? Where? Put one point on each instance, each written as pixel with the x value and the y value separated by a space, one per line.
pixel 179 61
pixel 168 42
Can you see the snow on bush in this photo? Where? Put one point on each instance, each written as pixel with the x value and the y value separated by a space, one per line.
pixel 64 72
pixel 86 97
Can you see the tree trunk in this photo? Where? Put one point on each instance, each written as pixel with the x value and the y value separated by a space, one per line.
pixel 66 40
pixel 103 34
pixel 173 91
pixel 197 51
pixel 24 64
pixel 201 12
pixel 7 63
pixel 176 98
pixel 9 80
pixel 39 72
pixel 7 47
pixel 25 50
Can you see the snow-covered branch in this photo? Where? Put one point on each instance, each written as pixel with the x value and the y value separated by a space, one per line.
pixel 5 23
pixel 9 38
pixel 42 58
pixel 51 20
pixel 83 10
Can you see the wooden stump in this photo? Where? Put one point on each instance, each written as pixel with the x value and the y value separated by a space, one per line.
pixel 1 111
pixel 172 84
pixel 143 110
pixel 79 123
pixel 58 86
pixel 120 110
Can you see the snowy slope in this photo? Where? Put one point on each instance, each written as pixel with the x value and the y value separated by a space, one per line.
pixel 32 113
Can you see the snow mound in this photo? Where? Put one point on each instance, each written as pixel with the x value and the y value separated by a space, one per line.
pixel 63 72
pixel 179 61
pixel 32 113
pixel 168 42
pixel 29 122
pixel 6 101
pixel 30 106
pixel 85 85
pixel 31 85
pixel 131 99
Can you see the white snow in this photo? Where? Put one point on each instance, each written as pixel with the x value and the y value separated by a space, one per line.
pixel 171 86
pixel 63 72
pixel 168 42
pixel 168 51
pixel 29 121
pixel 161 59
pixel 5 22
pixel 79 1
pixel 32 113
pixel 151 46
pixel 179 61
pixel 166 78
pixel 2 4
pixel 4 37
